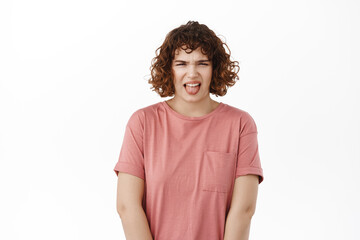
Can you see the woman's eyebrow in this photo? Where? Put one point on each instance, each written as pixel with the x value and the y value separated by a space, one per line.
pixel 188 62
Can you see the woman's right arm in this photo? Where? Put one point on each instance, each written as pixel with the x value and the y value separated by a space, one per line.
pixel 130 191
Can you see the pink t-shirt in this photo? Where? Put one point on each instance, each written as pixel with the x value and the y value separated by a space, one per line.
pixel 189 166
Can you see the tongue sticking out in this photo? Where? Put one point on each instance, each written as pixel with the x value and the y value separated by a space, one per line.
pixel 192 90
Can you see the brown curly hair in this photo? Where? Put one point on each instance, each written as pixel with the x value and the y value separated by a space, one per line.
pixel 193 35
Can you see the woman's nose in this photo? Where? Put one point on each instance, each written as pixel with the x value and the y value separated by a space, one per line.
pixel 192 71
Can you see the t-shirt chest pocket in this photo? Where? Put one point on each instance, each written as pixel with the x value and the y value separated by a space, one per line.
pixel 218 171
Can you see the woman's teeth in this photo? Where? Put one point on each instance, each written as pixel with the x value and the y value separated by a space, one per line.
pixel 193 85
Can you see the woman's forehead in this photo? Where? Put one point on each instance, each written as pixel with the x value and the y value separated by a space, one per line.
pixel 180 52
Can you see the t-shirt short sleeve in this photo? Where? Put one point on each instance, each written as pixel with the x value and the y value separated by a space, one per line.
pixel 131 158
pixel 248 160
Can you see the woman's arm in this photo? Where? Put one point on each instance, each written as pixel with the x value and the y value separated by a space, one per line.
pixel 130 191
pixel 242 208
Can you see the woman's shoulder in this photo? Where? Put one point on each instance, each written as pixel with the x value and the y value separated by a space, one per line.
pixel 243 117
pixel 145 112
pixel 232 111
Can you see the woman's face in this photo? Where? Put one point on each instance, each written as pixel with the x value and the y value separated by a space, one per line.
pixel 193 67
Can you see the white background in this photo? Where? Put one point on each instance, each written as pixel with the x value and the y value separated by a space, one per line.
pixel 72 72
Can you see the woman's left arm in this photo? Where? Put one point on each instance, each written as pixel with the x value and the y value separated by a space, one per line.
pixel 242 208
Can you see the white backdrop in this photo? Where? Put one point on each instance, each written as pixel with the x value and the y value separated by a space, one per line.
pixel 72 73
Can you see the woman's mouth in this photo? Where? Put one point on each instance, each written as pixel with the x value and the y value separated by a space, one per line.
pixel 192 89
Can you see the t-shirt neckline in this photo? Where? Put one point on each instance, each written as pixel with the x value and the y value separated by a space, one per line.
pixel 172 111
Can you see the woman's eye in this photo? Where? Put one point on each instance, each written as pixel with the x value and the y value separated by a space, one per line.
pixel 180 64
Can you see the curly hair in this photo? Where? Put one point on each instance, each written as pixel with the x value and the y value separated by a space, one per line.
pixel 193 35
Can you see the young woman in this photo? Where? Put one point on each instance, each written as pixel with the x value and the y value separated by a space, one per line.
pixel 189 167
